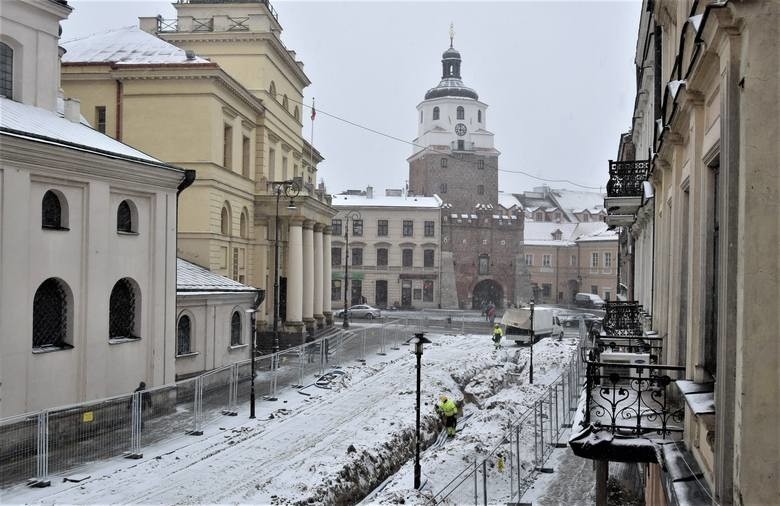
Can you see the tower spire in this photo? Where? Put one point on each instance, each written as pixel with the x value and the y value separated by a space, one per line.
pixel 452 32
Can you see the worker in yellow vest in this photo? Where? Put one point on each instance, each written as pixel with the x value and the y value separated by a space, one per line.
pixel 448 410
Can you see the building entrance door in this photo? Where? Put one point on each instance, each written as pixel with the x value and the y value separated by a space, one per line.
pixel 380 294
pixel 487 291
pixel 406 293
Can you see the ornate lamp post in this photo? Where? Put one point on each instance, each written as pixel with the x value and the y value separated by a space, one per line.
pixel 353 215
pixel 533 337
pixel 418 341
pixel 291 190
pixel 252 352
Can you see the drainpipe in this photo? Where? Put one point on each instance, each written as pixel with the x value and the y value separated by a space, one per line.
pixel 652 267
pixel 119 92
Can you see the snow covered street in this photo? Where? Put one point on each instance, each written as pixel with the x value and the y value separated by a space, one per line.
pixel 337 444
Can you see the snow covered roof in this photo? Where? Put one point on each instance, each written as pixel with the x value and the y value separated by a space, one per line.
pixel 384 201
pixel 508 201
pixel 194 278
pixel 45 125
pixel 540 233
pixel 594 231
pixel 126 45
pixel 575 200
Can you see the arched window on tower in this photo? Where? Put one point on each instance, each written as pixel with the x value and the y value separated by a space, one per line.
pixel 435 113
pixel 461 113
pixel 479 116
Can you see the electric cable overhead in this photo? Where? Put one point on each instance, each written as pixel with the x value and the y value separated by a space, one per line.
pixel 438 151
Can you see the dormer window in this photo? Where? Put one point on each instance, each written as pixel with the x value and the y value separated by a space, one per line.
pixel 435 113
pixel 557 235
pixel 6 71
pixel 460 112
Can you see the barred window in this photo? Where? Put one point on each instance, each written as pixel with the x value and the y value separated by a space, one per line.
pixel 235 329
pixel 6 70
pixel 430 227
pixel 50 315
pixel 124 217
pixel 335 257
pixel 122 310
pixel 52 215
pixel 381 228
pixel 335 227
pixel 184 336
pixel 408 228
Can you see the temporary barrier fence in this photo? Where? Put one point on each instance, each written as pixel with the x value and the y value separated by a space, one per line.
pixel 509 469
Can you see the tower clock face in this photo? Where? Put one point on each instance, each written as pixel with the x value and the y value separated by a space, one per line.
pixel 460 129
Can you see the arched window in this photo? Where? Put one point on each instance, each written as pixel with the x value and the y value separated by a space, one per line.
pixel 242 227
pixel 184 336
pixel 460 112
pixel 6 71
pixel 285 103
pixel 122 322
pixel 54 213
pixel 51 309
pixel 296 113
pixel 421 116
pixel 272 89
pixel 126 217
pixel 235 329
pixel 479 116
pixel 225 221
pixel 435 113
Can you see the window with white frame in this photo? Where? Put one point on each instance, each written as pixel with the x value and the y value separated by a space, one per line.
pixel 529 260
pixel 546 261
pixel 607 260
pixel 594 259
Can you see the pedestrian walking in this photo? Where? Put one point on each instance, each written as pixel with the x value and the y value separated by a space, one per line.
pixel 498 333
pixel 145 398
pixel 448 411
pixel 492 314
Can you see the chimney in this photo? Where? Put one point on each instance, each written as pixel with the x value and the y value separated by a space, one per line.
pixel 369 192
pixel 73 110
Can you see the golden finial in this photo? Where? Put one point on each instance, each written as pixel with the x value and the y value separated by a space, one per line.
pixel 452 32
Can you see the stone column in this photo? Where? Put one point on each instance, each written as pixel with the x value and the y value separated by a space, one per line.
pixel 308 274
pixel 326 276
pixel 295 274
pixel 318 275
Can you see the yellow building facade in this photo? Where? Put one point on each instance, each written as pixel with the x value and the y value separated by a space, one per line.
pixel 226 102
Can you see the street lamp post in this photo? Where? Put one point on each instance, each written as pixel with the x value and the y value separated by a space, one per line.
pixel 353 215
pixel 291 190
pixel 418 341
pixel 533 337
pixel 252 352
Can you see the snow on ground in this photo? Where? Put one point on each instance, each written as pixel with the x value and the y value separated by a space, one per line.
pixel 337 444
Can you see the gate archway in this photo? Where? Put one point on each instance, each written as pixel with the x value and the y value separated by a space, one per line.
pixel 487 291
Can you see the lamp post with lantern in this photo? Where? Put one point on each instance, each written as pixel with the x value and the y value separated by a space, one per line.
pixel 350 215
pixel 533 338
pixel 417 341
pixel 290 189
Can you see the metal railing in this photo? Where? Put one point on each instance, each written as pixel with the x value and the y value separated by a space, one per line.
pixel 509 469
pixel 60 440
pixel 623 318
pixel 267 3
pixel 626 178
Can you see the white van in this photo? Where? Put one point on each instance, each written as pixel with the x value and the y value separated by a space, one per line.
pixel 518 324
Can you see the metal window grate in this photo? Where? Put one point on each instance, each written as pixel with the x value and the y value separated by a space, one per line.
pixel 50 315
pixel 124 217
pixel 235 329
pixel 51 211
pixel 121 319
pixel 6 70
pixel 183 335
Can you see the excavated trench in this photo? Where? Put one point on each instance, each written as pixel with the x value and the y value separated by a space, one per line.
pixel 367 469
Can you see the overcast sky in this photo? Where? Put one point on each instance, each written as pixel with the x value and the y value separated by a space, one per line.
pixel 558 78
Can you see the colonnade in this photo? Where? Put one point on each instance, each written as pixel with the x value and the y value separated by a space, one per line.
pixel 308 273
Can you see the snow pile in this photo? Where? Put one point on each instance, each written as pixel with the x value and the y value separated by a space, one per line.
pixel 338 444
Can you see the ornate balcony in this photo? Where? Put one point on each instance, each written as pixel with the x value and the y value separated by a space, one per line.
pixel 623 318
pixel 625 189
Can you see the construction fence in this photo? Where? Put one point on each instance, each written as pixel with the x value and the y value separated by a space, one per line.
pixel 510 468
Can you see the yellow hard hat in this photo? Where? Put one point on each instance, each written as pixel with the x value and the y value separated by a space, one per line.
pixel 442 397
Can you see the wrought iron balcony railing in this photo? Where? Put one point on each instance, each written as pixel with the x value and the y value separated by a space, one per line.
pixel 623 318
pixel 267 3
pixel 650 346
pixel 626 178
pixel 633 399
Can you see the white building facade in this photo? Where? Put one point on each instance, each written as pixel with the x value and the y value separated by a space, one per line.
pixel 394 251
pixel 87 237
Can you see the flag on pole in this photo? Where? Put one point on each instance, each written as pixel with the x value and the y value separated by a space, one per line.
pixel 313 110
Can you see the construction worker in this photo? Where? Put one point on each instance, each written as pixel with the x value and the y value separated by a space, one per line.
pixel 497 335
pixel 447 409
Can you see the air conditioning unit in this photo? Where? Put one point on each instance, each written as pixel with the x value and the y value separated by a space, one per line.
pixel 623 359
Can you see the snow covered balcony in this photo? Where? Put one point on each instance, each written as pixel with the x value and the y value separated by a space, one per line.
pixel 625 190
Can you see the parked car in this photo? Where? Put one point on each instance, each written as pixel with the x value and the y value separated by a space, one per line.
pixel 588 300
pixel 361 311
